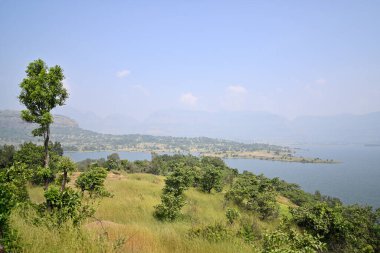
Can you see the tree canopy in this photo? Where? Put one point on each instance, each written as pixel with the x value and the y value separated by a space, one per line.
pixel 42 90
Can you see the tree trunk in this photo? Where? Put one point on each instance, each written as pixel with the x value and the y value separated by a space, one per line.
pixel 2 249
pixel 64 180
pixel 47 157
pixel 46 145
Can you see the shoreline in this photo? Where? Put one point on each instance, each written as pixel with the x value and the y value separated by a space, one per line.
pixel 255 155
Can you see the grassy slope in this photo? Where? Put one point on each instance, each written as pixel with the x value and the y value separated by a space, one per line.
pixel 129 226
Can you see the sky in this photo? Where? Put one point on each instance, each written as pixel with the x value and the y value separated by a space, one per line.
pixel 134 58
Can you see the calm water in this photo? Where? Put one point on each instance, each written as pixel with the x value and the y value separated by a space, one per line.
pixel 355 180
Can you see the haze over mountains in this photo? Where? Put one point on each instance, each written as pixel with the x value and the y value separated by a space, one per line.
pixel 241 126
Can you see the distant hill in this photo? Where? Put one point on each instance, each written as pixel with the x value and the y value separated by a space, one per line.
pixel 247 127
pixel 67 131
pixel 243 126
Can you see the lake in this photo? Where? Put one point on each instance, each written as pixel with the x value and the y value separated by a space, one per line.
pixel 355 180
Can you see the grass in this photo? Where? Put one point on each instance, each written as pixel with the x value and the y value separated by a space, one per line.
pixel 127 223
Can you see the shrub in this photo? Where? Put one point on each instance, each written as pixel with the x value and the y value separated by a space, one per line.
pixel 12 192
pixel 211 179
pixel 232 214
pixel 172 199
pixel 212 233
pixel 93 182
pixel 62 206
pixel 343 229
pixel 170 207
pixel 290 241
pixel 254 193
pixel 247 233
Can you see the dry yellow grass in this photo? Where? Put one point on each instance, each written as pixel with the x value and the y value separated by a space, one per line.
pixel 125 222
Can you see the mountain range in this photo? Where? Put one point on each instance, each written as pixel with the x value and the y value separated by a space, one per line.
pixel 67 131
pixel 242 126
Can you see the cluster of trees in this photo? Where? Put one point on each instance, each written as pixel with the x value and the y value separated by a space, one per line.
pixel 318 223
pixel 254 193
pixel 41 91
pixel 350 228
pixel 62 203
pixel 206 174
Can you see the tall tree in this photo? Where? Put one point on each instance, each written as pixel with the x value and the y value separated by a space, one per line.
pixel 41 91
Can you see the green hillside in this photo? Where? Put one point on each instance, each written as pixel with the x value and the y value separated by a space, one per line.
pixel 128 217
pixel 173 203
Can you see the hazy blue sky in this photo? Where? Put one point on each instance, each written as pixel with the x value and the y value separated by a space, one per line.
pixel 134 57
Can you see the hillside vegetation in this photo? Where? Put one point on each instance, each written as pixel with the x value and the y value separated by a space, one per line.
pixel 125 222
pixel 174 203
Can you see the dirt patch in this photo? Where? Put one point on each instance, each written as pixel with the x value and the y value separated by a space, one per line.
pixel 115 176
pixel 285 201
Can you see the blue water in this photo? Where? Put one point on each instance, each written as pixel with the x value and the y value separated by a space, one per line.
pixel 356 179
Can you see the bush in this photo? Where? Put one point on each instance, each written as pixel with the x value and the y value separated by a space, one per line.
pixel 254 193
pixel 232 214
pixel 212 233
pixel 211 179
pixel 343 229
pixel 170 207
pixel 12 193
pixel 290 241
pixel 93 182
pixel 172 199
pixel 247 233
pixel 62 206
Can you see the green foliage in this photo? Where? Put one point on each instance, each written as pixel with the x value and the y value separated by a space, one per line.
pixel 362 226
pixel 172 199
pixel 63 206
pixel 254 193
pixel 32 155
pixel 211 179
pixel 288 240
pixel 291 191
pixel 41 91
pixel 264 203
pixel 178 181
pixel 170 207
pixel 113 162
pixel 89 163
pixel 12 192
pixel 212 233
pixel 247 233
pixel 138 166
pixel 56 148
pixel 6 156
pixel 232 215
pixel 343 229
pixel 165 164
pixel 65 165
pixel 93 182
pixel 214 161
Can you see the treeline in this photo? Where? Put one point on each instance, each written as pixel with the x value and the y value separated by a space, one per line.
pixel 62 206
pixel 316 223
